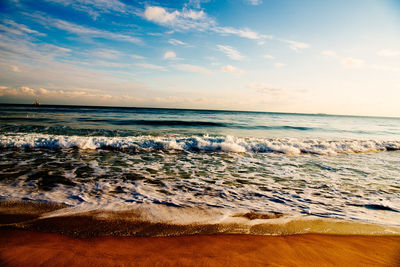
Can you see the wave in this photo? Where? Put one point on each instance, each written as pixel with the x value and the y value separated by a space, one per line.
pixel 62 127
pixel 155 122
pixel 25 119
pixel 160 220
pixel 198 144
pixel 287 127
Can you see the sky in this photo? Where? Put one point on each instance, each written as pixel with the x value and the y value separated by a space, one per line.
pixel 308 56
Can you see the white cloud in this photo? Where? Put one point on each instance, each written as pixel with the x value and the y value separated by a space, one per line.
pixel 388 53
pixel 84 31
pixel 196 3
pixel 296 46
pixel 346 62
pixel 28 50
pixel 106 53
pixel 177 42
pixel 160 15
pixel 178 20
pixel 54 94
pixel 15 68
pixel 350 62
pixel 95 7
pixel 137 56
pixel 230 68
pixel 230 52
pixel 170 55
pixel 254 2
pixel 329 53
pixel 194 19
pixel 280 65
pixel 150 66
pixel 268 57
pixel 189 19
pixel 43 91
pixel 90 32
pixel 27 91
pixel 42 68
pixel 193 68
pixel 193 14
pixel 12 27
pixel 245 33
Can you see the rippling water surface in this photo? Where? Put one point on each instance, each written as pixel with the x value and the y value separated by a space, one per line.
pixel 340 167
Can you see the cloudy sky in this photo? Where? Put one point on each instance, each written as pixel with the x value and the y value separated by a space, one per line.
pixel 340 57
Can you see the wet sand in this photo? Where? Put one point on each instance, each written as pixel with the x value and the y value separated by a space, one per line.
pixel 30 248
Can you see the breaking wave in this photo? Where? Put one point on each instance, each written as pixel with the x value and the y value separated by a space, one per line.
pixel 198 144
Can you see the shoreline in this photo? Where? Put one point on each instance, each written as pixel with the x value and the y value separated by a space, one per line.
pixel 98 238
pixel 22 248
pixel 136 221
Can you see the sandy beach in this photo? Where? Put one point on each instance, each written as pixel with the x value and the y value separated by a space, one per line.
pixel 26 239
pixel 28 248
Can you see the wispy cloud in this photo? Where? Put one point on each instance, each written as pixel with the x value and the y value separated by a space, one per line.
pixel 56 95
pixel 346 62
pixel 196 3
pixel 254 2
pixel 86 32
pixel 193 68
pixel 356 63
pixel 296 46
pixel 15 68
pixel 25 63
pixel 150 66
pixel 11 27
pixel 279 65
pixel 268 56
pixel 232 69
pixel 59 82
pixel 15 92
pixel 190 19
pixel 350 62
pixel 170 55
pixel 177 42
pixel 230 52
pixel 94 7
pixel 265 89
pixel 27 49
pixel 137 56
pixel 245 33
pixel 106 53
pixel 91 32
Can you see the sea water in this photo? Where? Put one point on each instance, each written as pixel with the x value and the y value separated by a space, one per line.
pixel 202 166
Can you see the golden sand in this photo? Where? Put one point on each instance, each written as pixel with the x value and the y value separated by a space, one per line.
pixel 28 248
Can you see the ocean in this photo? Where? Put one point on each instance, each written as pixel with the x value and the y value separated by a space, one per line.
pixel 239 172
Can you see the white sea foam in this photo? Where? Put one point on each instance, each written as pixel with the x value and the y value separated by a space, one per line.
pixel 200 144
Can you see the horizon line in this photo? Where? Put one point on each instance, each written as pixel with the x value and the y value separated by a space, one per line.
pixel 200 109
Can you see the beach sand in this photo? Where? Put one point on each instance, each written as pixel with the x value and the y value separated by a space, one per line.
pixel 30 248
pixel 88 239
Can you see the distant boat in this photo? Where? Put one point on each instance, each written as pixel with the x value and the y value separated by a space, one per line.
pixel 36 103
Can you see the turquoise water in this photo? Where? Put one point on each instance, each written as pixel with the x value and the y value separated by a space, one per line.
pixel 340 167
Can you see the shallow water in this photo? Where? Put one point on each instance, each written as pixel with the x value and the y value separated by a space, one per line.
pixel 229 162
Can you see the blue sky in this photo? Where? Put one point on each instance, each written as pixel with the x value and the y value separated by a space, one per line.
pixel 340 57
